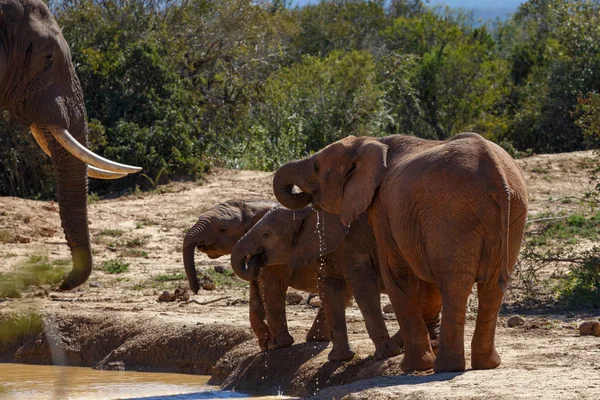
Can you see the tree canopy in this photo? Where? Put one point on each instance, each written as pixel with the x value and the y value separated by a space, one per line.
pixel 177 86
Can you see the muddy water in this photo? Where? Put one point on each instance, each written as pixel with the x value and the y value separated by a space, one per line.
pixel 20 381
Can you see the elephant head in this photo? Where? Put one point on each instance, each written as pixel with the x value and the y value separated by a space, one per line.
pixel 341 178
pixel 217 231
pixel 283 236
pixel 39 87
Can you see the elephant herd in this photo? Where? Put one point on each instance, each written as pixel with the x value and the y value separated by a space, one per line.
pixel 420 220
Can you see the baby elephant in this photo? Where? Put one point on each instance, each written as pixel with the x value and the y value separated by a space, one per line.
pixel 215 234
pixel 345 258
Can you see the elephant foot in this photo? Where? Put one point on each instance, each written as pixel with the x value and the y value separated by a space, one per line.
pixel 389 348
pixel 397 338
pixel 280 341
pixel 416 363
pixel 336 354
pixel 490 361
pixel 449 364
pixel 263 341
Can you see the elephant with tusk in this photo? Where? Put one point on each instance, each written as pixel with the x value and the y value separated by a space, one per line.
pixel 39 87
pixel 216 233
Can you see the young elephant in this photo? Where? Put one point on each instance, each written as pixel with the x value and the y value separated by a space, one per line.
pixel 448 212
pixel 344 257
pixel 215 234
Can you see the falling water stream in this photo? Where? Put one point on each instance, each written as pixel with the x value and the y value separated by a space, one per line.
pixel 21 381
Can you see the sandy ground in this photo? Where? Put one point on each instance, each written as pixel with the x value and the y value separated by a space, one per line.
pixel 545 358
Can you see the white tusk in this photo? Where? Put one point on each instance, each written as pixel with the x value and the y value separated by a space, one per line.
pixel 38 135
pixel 98 173
pixel 78 150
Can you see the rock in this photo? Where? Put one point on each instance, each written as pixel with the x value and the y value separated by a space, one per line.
pixel 515 321
pixel 588 328
pixel 388 309
pixel 294 298
pixel 112 366
pixel 208 285
pixel 315 302
pixel 219 269
pixel 166 296
pixel 95 284
pixel 182 294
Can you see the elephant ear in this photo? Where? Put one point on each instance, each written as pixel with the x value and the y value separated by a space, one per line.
pixel 365 173
pixel 308 244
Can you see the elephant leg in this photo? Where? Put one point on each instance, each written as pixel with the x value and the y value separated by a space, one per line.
pixel 402 287
pixel 483 350
pixel 273 283
pixel 257 317
pixel 319 331
pixel 363 281
pixel 334 300
pixel 451 352
pixel 431 307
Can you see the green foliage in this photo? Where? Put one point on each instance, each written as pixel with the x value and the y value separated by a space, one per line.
pixel 15 328
pixel 170 277
pixel 227 278
pixel 177 87
pixel 115 266
pixel 35 271
pixel 581 287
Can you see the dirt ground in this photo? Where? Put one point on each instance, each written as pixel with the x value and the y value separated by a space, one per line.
pixel 115 322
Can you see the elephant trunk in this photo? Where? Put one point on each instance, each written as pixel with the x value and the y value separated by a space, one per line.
pixel 292 173
pixel 238 261
pixel 71 192
pixel 193 239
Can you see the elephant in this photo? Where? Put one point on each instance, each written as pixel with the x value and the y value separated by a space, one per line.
pixel 451 213
pixel 344 257
pixel 40 89
pixel 215 233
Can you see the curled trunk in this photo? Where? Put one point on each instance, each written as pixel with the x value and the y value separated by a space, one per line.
pixel 193 239
pixel 292 173
pixel 238 261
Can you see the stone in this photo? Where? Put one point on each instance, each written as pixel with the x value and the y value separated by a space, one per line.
pixel 388 309
pixel 208 285
pixel 315 302
pixel 294 298
pixel 515 321
pixel 589 328
pixel 182 294
pixel 166 296
pixel 95 284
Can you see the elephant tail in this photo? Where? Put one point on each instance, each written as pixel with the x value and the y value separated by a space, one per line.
pixel 504 203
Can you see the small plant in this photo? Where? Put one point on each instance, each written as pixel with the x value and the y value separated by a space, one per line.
pixel 169 277
pixel 133 253
pixel 138 241
pixel 36 271
pixel 581 286
pixel 93 198
pixel 115 266
pixel 111 232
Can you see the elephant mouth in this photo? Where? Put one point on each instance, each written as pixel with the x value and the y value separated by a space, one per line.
pixel 255 262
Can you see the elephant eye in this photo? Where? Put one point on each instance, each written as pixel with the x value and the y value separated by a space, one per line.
pixel 222 229
pixel 265 235
pixel 49 60
pixel 316 165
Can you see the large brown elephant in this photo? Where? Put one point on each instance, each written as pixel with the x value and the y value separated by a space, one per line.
pixel 449 212
pixel 215 233
pixel 344 257
pixel 39 87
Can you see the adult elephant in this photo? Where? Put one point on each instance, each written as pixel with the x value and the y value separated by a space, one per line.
pixel 449 212
pixel 39 87
pixel 345 258
pixel 215 234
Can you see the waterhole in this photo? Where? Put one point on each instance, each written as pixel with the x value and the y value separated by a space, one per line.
pixel 20 381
